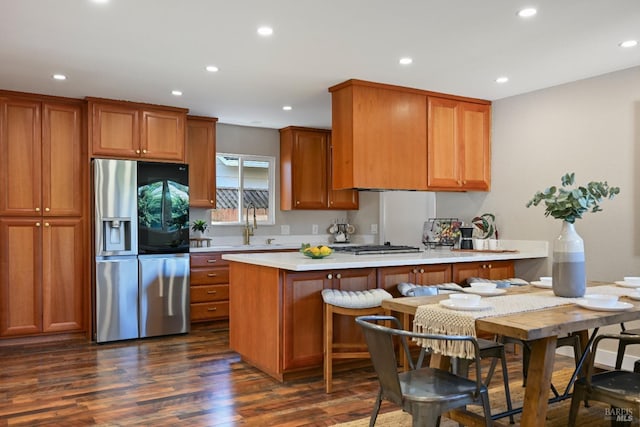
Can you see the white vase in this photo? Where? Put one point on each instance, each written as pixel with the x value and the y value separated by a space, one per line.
pixel 197 234
pixel 568 269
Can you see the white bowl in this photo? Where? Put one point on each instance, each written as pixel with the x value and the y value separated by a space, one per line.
pixel 484 286
pixel 466 300
pixel 632 280
pixel 546 279
pixel 602 300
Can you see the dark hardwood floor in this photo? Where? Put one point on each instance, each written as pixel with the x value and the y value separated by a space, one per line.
pixel 192 380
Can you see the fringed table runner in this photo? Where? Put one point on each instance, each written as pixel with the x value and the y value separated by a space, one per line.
pixel 436 319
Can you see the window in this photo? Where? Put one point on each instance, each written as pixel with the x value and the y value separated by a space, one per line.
pixel 244 181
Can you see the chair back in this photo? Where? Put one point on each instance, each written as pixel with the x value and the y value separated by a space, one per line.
pixel 379 340
pixel 383 355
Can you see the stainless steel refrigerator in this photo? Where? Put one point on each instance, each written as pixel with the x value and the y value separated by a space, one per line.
pixel 142 249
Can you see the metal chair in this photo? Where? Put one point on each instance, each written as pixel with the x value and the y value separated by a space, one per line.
pixel 426 393
pixel 623 343
pixel 616 388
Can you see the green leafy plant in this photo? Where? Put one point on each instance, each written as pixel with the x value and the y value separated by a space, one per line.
pixel 199 225
pixel 569 204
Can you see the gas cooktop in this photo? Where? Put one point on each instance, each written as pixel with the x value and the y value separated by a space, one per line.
pixel 375 249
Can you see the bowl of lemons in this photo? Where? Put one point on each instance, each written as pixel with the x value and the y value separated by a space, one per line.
pixel 315 252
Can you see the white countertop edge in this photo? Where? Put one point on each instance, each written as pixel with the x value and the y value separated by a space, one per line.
pixel 295 261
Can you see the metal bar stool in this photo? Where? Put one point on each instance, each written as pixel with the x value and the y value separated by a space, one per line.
pixel 347 303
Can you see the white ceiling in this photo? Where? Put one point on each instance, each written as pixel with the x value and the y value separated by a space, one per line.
pixel 140 50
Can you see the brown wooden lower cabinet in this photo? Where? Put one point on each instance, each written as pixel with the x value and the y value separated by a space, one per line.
pixel 493 270
pixel 42 276
pixel 276 316
pixel 390 277
pixel 302 313
pixel 209 287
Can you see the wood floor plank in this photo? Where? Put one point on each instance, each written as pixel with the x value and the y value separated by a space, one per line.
pixel 191 380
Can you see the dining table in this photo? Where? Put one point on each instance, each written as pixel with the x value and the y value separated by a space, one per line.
pixel 540 328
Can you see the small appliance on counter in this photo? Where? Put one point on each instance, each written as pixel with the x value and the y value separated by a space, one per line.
pixel 466 237
pixel 342 232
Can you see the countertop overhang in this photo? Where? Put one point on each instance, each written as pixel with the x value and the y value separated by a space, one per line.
pixel 295 261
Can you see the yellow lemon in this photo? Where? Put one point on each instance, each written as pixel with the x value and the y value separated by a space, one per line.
pixel 325 250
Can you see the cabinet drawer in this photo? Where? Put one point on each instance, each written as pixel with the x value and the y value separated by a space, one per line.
pixel 209 259
pixel 209 311
pixel 209 276
pixel 209 293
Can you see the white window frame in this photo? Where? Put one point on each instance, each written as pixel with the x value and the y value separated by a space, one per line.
pixel 242 158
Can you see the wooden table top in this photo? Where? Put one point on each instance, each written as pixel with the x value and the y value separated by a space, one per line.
pixel 532 325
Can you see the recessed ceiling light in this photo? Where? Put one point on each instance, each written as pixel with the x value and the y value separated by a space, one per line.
pixel 211 68
pixel 628 43
pixel 265 31
pixel 59 77
pixel 405 61
pixel 100 1
pixel 287 108
pixel 527 12
pixel 176 93
pixel 502 79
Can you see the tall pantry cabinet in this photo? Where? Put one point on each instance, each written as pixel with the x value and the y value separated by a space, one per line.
pixel 43 174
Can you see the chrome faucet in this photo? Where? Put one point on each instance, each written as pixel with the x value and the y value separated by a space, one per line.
pixel 248 229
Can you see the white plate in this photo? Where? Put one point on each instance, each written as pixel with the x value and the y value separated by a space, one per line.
pixel 457 306
pixel 619 306
pixel 490 293
pixel 538 284
pixel 635 295
pixel 626 285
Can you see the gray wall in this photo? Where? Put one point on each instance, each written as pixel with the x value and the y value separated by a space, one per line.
pixel 266 142
pixel 590 127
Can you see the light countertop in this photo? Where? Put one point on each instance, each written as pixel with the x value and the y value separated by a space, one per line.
pixel 295 261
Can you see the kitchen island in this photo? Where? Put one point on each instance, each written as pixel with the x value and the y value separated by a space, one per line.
pixel 275 305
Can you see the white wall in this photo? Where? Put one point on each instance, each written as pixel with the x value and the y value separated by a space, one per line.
pixel 590 127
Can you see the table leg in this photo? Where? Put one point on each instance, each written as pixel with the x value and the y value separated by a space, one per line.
pixel 536 394
pixel 406 325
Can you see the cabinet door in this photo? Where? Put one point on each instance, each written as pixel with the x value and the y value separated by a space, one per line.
pixel 20 276
pixel 310 170
pixel 443 154
pixel 390 277
pixel 20 158
pixel 345 329
pixel 303 318
pixel 63 275
pixel 494 270
pixel 500 270
pixel 339 199
pixel 115 131
pixel 201 153
pixel 475 129
pixel 62 160
pixel 432 274
pixel 163 135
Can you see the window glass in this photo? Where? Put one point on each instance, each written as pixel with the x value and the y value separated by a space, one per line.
pixel 251 177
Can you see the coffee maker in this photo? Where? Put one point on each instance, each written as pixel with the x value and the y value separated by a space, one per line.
pixel 466 234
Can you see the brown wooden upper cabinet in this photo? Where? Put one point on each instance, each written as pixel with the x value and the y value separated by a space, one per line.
pixel 305 172
pixel 121 129
pixel 459 152
pixel 41 157
pixel 379 136
pixel 392 137
pixel 201 155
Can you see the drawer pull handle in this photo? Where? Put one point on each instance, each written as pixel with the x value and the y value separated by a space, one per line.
pixel 212 275
pixel 212 292
pixel 211 261
pixel 211 309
